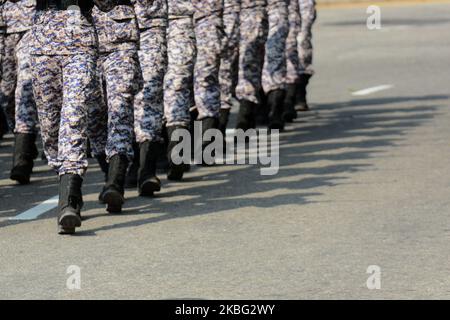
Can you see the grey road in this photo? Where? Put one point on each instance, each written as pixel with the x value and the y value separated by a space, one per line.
pixel 364 181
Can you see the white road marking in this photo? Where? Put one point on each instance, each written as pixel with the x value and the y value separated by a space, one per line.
pixel 365 92
pixel 38 210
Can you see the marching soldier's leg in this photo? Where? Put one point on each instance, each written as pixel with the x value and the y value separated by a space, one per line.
pixel 72 146
pixel 228 72
pixel 9 78
pixel 292 62
pixel 79 69
pixel 121 79
pixel 253 34
pixel 25 130
pixel 98 120
pixel 206 72
pixel 64 49
pixel 149 107
pixel 3 122
pixel 274 72
pixel 48 94
pixel 305 48
pixel 121 76
pixel 178 84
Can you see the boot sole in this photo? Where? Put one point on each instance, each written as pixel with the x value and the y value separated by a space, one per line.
pixel 290 116
pixel 114 201
pixel 68 222
pixel 176 173
pixel 20 178
pixel 148 188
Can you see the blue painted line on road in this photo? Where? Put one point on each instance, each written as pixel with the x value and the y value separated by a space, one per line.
pixel 38 210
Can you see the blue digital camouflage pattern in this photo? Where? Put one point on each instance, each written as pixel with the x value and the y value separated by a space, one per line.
pixel 208 33
pixel 15 87
pixel 304 39
pixel 116 29
pixel 178 81
pixel 151 13
pixel 18 15
pixel 63 86
pixel 228 73
pixel 253 35
pixel 292 56
pixel 111 116
pixel 274 71
pixel 64 64
pixel 9 77
pixel 149 102
pixel 25 113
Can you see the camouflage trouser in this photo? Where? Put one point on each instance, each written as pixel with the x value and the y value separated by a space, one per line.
pixel 178 82
pixel 2 50
pixel 208 32
pixel 292 57
pixel 26 113
pixel 9 77
pixel 63 87
pixel 111 116
pixel 253 35
pixel 228 73
pixel 274 72
pixel 304 39
pixel 149 102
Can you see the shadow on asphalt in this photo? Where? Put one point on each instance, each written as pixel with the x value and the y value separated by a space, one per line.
pixel 373 125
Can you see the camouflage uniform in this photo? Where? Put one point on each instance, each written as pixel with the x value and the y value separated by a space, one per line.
pixel 228 73
pixel 3 122
pixel 152 17
pixel 64 53
pixel 2 36
pixel 274 71
pixel 208 32
pixel 304 39
pixel 292 56
pixel 111 116
pixel 16 91
pixel 178 82
pixel 253 35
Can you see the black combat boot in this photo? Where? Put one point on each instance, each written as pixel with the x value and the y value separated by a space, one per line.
pixel 25 152
pixel 70 203
pixel 275 102
pixel 131 178
pixel 163 161
pixel 246 115
pixel 3 124
pixel 103 164
pixel 224 116
pixel 289 112
pixel 302 104
pixel 148 182
pixel 262 111
pixel 113 192
pixel 175 172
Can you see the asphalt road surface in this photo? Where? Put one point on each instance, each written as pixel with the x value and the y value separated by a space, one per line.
pixel 364 181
